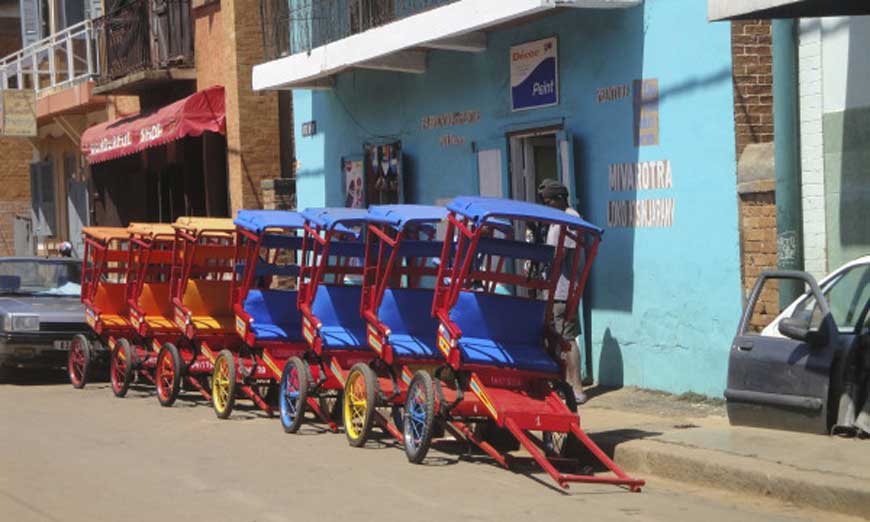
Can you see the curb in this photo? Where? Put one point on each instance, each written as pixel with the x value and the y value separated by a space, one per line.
pixel 827 492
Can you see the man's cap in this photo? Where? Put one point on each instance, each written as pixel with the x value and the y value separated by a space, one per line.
pixel 552 189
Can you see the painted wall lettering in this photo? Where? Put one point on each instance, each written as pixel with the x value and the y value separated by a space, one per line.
pixel 449 140
pixel 450 119
pixel 646 112
pixel 612 93
pixel 640 176
pixel 644 213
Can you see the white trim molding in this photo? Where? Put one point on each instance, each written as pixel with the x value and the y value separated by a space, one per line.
pixel 455 26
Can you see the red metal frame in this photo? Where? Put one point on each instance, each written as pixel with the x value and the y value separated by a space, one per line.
pixel 381 271
pixel 519 401
pixel 316 265
pixel 205 252
pixel 267 358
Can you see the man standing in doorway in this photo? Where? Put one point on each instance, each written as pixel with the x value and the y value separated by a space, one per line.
pixel 554 194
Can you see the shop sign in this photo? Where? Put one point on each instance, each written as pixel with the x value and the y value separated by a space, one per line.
pixel 646 112
pixel 534 74
pixel 644 213
pixel 18 113
pixel 644 175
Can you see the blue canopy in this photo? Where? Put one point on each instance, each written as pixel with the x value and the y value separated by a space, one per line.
pixel 401 215
pixel 330 217
pixel 259 220
pixel 486 210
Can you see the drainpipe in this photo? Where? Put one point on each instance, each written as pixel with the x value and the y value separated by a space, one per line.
pixel 789 219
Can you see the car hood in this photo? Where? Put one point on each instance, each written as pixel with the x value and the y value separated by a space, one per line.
pixel 50 309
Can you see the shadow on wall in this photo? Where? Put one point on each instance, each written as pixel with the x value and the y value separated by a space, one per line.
pixel 851 153
pixel 610 365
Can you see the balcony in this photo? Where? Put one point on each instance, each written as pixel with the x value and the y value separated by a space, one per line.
pixel 308 42
pixel 65 59
pixel 145 44
pixel 297 26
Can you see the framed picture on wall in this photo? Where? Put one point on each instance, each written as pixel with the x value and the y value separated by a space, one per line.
pixel 383 173
pixel 354 182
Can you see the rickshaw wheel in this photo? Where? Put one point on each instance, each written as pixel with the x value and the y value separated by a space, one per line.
pixel 168 374
pixel 419 417
pixel 122 364
pixel 558 444
pixel 293 394
pixel 223 384
pixel 360 401
pixel 79 361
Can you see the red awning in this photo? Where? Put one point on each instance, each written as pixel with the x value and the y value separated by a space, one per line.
pixel 191 116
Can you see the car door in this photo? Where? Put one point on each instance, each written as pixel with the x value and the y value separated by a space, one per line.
pixel 780 381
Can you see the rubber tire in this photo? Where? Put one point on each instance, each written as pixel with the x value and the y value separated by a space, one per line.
pixel 417 454
pixel 561 447
pixel 79 381
pixel 224 355
pixel 370 381
pixel 167 397
pixel 119 388
pixel 304 378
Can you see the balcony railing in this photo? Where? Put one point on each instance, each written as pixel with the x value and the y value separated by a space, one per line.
pixel 62 60
pixel 145 35
pixel 296 26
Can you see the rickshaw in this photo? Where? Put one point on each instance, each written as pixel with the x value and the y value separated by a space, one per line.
pixel 329 295
pixel 398 289
pixel 267 316
pixel 148 299
pixel 104 295
pixel 505 361
pixel 200 287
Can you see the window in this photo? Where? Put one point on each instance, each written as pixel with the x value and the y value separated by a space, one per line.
pixel 847 295
pixel 42 198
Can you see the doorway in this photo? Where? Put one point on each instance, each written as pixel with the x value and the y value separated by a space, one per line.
pixel 534 158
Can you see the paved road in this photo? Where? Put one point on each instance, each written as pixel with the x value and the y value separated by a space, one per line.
pixel 70 455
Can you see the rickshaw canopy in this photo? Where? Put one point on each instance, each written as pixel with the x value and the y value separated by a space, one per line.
pixel 330 217
pixel 483 210
pixel 106 233
pixel 259 220
pixel 151 229
pixel 400 216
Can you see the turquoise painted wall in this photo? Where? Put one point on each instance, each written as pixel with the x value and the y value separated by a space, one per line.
pixel 664 301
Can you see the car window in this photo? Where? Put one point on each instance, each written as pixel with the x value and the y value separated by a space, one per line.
pixel 39 277
pixel 847 295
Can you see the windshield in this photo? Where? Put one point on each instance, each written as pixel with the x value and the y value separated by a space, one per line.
pixel 847 294
pixel 40 277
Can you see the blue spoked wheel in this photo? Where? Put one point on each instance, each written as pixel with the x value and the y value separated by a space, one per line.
pixel 419 417
pixel 293 394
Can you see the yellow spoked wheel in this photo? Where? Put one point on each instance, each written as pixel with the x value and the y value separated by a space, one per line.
pixel 223 384
pixel 360 401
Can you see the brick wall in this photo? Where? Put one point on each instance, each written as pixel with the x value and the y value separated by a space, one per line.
pixel 279 194
pixel 229 42
pixel 14 188
pixel 753 82
pixel 753 123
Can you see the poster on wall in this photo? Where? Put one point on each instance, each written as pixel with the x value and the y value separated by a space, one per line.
pixel 534 75
pixel 354 185
pixel 18 113
pixel 383 173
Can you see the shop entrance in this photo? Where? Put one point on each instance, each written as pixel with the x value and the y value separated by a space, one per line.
pixel 537 155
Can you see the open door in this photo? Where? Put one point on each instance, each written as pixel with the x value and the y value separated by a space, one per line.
pixel 780 377
pixel 565 158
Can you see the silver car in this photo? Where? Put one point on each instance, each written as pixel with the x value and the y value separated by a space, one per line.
pixel 40 312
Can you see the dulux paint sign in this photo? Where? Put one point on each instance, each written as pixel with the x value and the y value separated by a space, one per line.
pixel 534 75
